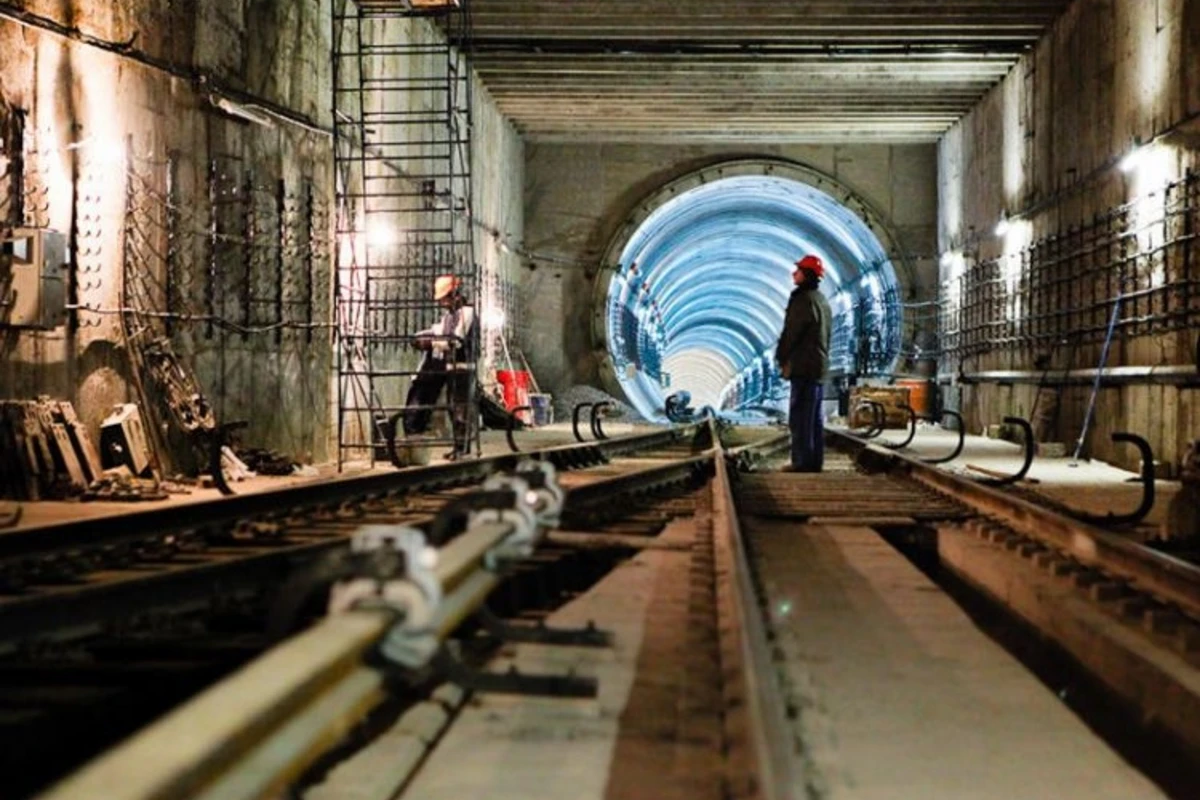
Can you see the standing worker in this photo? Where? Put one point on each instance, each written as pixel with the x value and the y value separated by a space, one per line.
pixel 803 359
pixel 449 362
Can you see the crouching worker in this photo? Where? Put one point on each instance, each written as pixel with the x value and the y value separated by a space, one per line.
pixel 803 359
pixel 448 362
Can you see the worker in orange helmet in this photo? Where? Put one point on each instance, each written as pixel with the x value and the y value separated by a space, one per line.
pixel 803 358
pixel 449 362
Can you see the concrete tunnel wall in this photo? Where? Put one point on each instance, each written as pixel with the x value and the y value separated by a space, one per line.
pixel 1046 148
pixel 78 104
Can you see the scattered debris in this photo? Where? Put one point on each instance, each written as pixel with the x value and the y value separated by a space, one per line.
pixel 121 486
pixel 173 486
pixel 54 456
pixel 266 462
pixel 565 402
pixel 234 468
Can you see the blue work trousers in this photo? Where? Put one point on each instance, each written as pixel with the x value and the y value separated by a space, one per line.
pixel 807 425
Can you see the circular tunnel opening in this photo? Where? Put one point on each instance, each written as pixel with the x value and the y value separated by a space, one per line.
pixel 697 298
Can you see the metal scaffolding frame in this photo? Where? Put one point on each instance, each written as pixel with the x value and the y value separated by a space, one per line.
pixel 402 123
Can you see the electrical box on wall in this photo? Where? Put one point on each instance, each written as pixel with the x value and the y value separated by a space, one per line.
pixel 33 278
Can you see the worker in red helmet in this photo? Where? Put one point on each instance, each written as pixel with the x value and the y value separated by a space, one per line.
pixel 803 358
pixel 449 362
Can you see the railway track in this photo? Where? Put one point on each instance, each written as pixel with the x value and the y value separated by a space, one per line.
pixel 106 624
pixel 709 688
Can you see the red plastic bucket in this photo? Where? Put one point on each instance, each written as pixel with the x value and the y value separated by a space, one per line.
pixel 516 389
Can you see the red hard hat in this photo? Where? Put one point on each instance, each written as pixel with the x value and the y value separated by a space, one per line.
pixel 813 264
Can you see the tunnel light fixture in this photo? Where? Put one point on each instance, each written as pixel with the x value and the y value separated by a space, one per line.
pixel 380 234
pixel 102 149
pixel 1003 226
pixel 493 318
pixel 1136 157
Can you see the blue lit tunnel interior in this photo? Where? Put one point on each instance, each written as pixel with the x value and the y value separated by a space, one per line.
pixel 698 300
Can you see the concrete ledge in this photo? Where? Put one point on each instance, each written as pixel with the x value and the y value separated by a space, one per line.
pixel 1139 666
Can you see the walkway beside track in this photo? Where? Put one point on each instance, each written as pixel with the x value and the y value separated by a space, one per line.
pixel 897 694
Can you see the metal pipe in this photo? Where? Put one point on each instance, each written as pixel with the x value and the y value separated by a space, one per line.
pixel 463 601
pixel 189 749
pixel 1172 374
pixel 464 553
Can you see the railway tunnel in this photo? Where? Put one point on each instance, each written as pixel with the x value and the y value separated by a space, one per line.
pixel 697 298
pixel 389 406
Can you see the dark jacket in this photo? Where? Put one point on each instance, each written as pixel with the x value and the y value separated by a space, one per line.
pixel 803 350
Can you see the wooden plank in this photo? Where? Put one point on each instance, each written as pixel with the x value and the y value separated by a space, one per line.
pixel 66 462
pixel 41 462
pixel 85 449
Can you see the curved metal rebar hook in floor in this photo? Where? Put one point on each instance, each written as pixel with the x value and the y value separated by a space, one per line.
pixel 1030 450
pixel 512 421
pixel 874 426
pixel 878 419
pixel 575 420
pixel 1147 481
pixel 962 438
pixel 597 429
pixel 912 429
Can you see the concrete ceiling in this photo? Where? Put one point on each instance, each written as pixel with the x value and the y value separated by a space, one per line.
pixel 755 70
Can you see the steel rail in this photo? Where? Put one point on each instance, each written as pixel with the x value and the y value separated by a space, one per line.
pixel 1154 572
pixel 197 745
pixel 77 610
pixel 298 699
pixel 580 498
pixel 227 511
pixel 769 732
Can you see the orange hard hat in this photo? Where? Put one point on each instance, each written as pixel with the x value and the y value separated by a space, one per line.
pixel 444 285
pixel 813 264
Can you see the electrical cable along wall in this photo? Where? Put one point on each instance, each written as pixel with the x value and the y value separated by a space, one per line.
pixel 402 116
pixel 697 298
